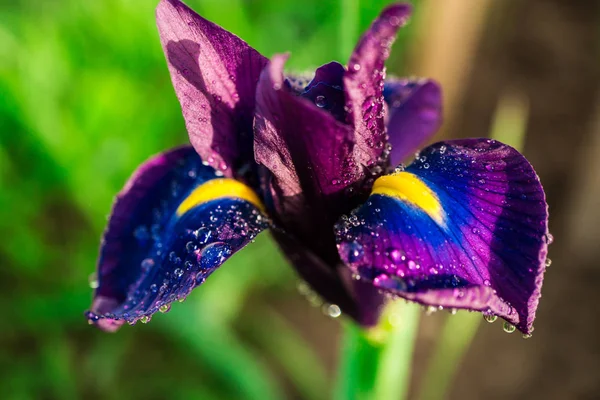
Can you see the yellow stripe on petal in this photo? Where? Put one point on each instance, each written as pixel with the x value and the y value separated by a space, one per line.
pixel 409 188
pixel 218 189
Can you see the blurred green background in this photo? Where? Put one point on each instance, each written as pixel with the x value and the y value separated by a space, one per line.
pixel 85 96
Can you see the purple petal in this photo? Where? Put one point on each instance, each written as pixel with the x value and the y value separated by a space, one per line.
pixel 465 226
pixel 326 90
pixel 309 156
pixel 214 74
pixel 162 241
pixel 415 114
pixel 356 299
pixel 364 81
pixel 308 185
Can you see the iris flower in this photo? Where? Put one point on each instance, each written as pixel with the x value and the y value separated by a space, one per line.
pixel 317 161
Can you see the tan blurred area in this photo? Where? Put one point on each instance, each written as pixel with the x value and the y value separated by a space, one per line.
pixel 547 51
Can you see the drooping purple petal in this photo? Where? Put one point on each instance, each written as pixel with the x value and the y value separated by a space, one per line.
pixel 214 74
pixel 173 224
pixel 465 226
pixel 415 114
pixel 364 82
pixel 357 300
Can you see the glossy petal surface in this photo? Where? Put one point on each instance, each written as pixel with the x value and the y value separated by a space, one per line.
pixel 326 90
pixel 214 74
pixel 172 225
pixel 364 82
pixel 308 154
pixel 415 114
pixel 465 226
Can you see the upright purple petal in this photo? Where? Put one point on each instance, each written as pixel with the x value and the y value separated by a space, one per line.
pixel 308 154
pixel 415 115
pixel 173 224
pixel 214 74
pixel 364 82
pixel 311 181
pixel 464 226
pixel 326 90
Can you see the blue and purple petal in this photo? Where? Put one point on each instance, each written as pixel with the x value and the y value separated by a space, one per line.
pixel 173 224
pixel 464 226
pixel 214 74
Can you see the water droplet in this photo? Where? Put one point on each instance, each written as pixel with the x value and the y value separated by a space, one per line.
pixel 508 327
pixel 320 101
pixel 356 67
pixel 145 319
pixel 355 252
pixel 453 311
pixel 303 288
pixel 527 336
pixel 490 318
pixel 164 308
pixel 548 262
pixel 190 247
pixel 395 20
pixel 430 310
pixel 147 263
pixel 549 238
pixel 93 280
pixel 395 254
pixel 214 255
pixel 399 168
pixel 178 272
pixel 333 310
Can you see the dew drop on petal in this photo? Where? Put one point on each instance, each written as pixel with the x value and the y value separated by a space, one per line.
pixel 214 255
pixel 508 327
pixel 93 280
pixel 147 263
pixel 164 308
pixel 320 101
pixel 490 318
pixel 548 262
pixel 333 310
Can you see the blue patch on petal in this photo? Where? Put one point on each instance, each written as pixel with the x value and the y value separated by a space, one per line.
pixel 484 249
pixel 150 255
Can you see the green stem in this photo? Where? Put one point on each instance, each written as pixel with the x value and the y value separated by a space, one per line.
pixel 348 27
pixel 375 363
